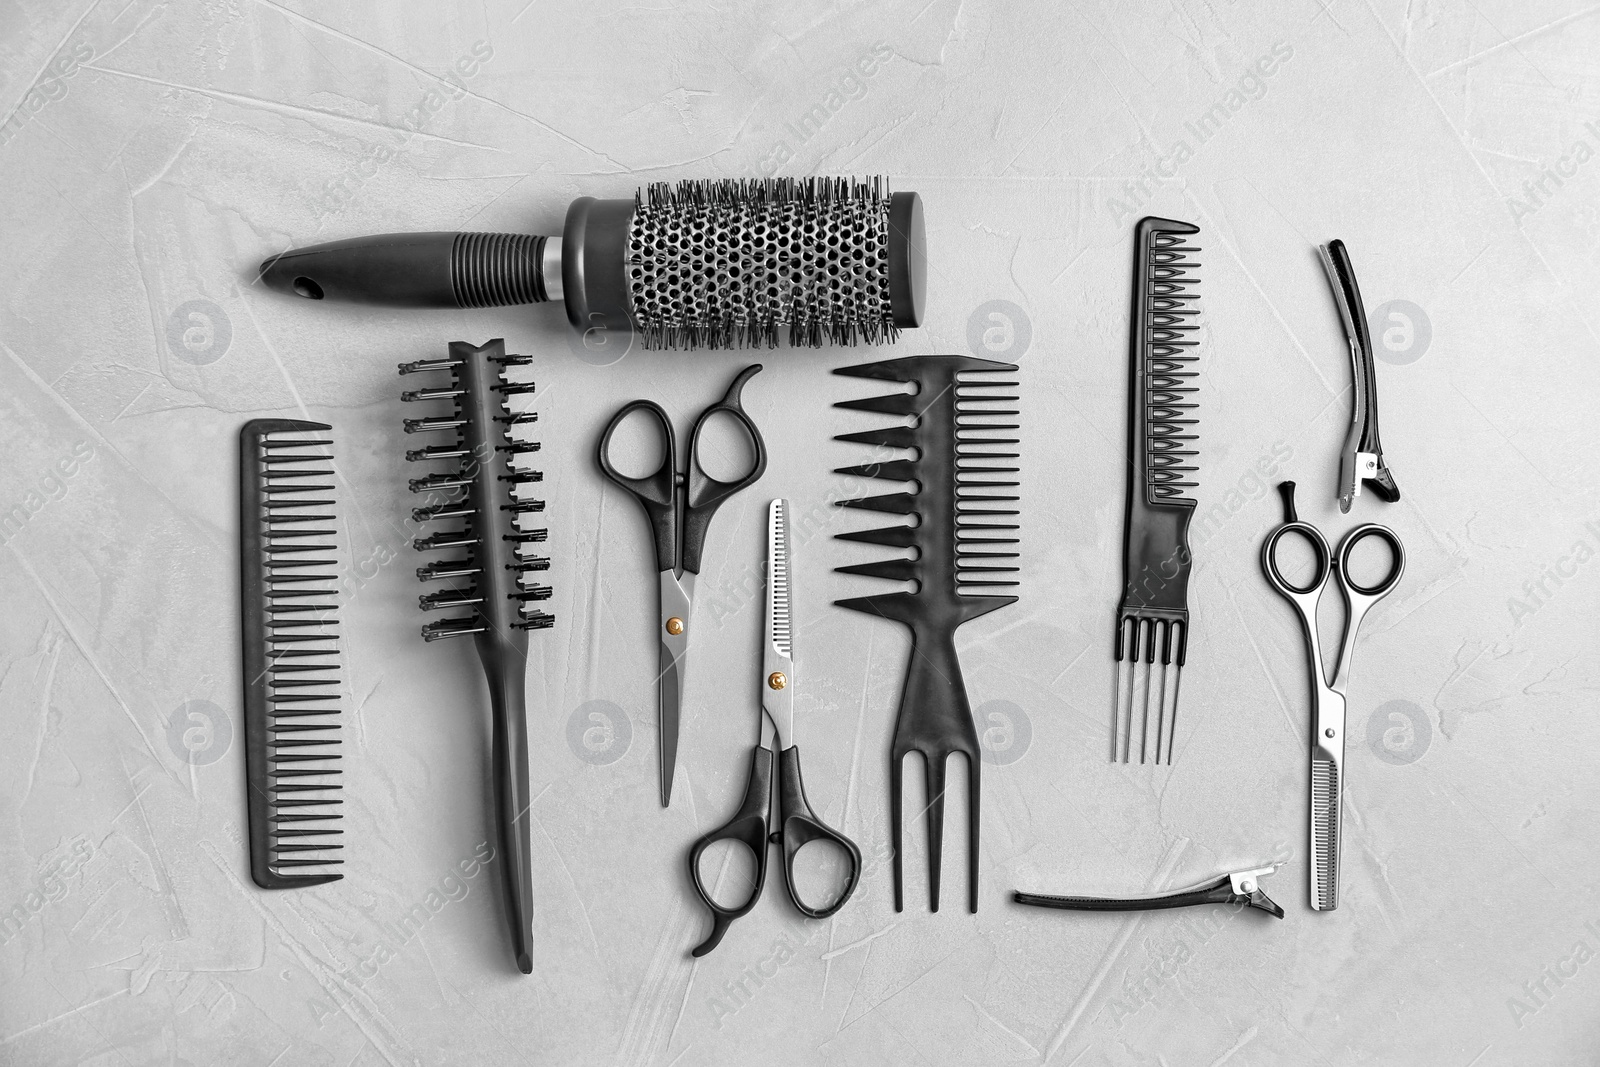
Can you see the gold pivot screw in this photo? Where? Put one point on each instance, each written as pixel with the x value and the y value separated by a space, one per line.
pixel 674 626
pixel 777 680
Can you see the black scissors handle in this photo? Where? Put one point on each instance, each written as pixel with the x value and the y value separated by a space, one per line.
pixel 706 493
pixel 800 827
pixel 751 826
pixel 1313 536
pixel 657 493
pixel 748 827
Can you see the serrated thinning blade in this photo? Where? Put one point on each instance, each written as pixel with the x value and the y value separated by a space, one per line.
pixel 777 660
pixel 779 634
pixel 1324 835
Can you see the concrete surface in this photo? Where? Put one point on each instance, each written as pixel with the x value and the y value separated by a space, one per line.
pixel 154 152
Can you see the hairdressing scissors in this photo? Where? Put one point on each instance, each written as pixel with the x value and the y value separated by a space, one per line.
pixel 679 504
pixel 1328 698
pixel 755 824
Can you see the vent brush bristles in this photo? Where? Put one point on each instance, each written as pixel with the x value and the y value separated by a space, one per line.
pixel 1153 617
pixel 479 505
pixel 965 477
pixel 289 604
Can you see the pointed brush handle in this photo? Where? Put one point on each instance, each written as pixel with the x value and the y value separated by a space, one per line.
pixel 422 270
pixel 505 667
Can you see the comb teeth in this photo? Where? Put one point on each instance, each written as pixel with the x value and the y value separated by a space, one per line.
pixel 480 495
pixel 965 494
pixel 1167 373
pixel 291 651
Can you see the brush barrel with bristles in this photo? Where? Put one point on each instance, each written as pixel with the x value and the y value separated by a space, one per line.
pixel 700 264
pixel 481 505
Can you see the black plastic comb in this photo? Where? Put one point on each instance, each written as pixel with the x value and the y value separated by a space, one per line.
pixel 480 503
pixel 1153 618
pixel 289 600
pixel 965 479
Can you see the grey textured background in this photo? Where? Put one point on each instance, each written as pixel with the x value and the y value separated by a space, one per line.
pixel 154 152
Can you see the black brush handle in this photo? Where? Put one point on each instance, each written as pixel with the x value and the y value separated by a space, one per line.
pixel 417 270
pixel 504 666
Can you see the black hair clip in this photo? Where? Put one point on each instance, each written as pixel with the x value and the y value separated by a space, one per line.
pixel 1240 887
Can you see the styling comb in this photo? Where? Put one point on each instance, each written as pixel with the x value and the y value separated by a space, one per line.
pixel 964 498
pixel 480 504
pixel 288 609
pixel 1153 618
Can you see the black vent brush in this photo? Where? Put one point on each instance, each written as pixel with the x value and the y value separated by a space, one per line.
pixel 289 605
pixel 480 504
pixel 965 478
pixel 714 264
pixel 1153 618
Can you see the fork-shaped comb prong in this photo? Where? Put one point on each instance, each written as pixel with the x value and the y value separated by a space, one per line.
pixel 940 727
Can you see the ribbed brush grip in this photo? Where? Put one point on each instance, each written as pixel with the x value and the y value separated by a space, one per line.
pixel 497 269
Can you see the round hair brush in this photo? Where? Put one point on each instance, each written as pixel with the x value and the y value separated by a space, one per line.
pixel 713 264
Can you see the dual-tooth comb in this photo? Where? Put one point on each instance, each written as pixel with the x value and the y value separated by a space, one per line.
pixel 481 501
pixel 288 571
pixel 1153 619
pixel 965 479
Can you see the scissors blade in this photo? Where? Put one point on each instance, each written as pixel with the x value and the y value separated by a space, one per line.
pixel 777 659
pixel 675 601
pixel 1327 790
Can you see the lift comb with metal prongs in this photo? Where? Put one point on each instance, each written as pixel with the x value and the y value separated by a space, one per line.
pixel 965 498
pixel 480 497
pixel 291 651
pixel 1153 616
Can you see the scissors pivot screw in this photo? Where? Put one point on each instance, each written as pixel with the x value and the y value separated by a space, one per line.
pixel 674 626
pixel 1328 731
pixel 777 680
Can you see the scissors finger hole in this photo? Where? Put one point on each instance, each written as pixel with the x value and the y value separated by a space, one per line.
pixel 724 448
pixel 1300 561
pixel 638 448
pixel 821 873
pixel 1372 560
pixel 728 872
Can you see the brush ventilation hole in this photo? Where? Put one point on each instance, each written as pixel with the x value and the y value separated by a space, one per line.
pixel 731 263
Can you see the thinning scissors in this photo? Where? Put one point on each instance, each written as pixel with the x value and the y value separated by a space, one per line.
pixel 753 824
pixel 1328 698
pixel 679 504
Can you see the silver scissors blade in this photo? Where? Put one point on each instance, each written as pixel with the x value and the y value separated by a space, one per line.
pixel 777 654
pixel 676 597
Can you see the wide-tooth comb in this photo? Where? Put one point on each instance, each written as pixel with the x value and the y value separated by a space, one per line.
pixel 480 501
pixel 289 600
pixel 1153 617
pixel 965 473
